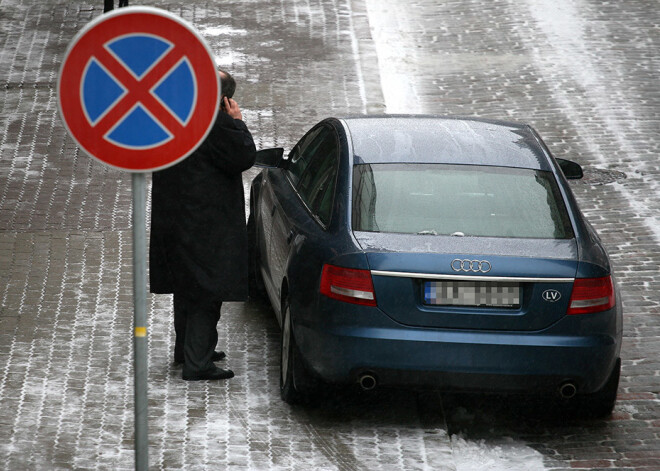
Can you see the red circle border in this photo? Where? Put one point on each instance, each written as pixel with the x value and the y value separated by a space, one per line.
pixel 186 41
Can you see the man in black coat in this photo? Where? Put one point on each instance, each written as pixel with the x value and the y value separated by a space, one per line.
pixel 198 247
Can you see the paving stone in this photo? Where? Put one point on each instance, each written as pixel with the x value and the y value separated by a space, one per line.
pixel 66 313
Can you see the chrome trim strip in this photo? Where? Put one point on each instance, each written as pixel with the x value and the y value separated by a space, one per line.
pixel 509 279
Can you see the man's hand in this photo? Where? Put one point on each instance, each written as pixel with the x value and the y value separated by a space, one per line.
pixel 231 108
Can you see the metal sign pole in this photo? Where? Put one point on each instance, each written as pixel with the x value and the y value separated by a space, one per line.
pixel 140 320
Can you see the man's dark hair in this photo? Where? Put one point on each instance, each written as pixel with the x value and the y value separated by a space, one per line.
pixel 227 83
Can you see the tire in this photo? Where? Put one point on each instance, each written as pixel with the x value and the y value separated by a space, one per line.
pixel 601 403
pixel 296 385
pixel 256 288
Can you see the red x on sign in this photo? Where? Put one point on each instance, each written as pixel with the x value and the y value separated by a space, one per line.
pixel 138 89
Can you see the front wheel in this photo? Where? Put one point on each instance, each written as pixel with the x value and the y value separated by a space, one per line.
pixel 295 382
pixel 256 286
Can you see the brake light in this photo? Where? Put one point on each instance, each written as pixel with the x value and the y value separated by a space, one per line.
pixel 348 285
pixel 591 295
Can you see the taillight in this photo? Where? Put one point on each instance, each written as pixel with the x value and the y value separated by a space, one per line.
pixel 591 295
pixel 348 284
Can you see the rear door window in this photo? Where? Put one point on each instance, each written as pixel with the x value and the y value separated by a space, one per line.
pixel 317 184
pixel 302 153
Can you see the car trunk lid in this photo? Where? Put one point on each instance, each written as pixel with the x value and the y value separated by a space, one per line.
pixel 471 282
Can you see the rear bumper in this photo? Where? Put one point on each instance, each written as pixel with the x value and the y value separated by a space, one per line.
pixel 398 355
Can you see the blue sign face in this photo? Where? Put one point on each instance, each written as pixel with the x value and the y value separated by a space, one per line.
pixel 141 127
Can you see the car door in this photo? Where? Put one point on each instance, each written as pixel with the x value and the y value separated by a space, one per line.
pixel 313 176
pixel 279 184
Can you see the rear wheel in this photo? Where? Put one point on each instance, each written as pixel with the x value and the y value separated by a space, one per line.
pixel 601 403
pixel 296 385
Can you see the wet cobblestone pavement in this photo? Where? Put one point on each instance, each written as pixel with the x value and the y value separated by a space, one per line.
pixel 585 74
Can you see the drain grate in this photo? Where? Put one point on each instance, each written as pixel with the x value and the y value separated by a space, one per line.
pixel 597 176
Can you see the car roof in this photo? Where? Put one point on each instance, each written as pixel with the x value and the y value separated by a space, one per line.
pixel 444 139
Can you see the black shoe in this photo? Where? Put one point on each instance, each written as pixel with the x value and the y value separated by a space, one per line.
pixel 216 373
pixel 217 356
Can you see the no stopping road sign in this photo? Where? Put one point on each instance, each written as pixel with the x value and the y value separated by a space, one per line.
pixel 138 89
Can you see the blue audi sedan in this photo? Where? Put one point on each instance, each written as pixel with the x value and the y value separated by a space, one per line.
pixel 430 251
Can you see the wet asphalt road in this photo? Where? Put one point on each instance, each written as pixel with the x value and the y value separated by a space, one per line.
pixel 584 73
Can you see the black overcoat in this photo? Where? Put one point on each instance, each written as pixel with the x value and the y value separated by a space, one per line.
pixel 198 238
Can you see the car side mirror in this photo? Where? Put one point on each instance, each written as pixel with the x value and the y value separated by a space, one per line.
pixel 269 158
pixel 570 169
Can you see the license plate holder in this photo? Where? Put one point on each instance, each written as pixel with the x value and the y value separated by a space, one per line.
pixel 504 295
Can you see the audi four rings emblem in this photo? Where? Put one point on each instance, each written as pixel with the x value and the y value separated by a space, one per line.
pixel 476 266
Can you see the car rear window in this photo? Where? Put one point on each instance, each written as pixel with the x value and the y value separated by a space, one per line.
pixel 470 200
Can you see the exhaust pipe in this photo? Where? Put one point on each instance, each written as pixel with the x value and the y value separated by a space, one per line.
pixel 567 390
pixel 367 381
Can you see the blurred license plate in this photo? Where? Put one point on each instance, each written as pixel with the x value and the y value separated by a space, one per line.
pixel 472 293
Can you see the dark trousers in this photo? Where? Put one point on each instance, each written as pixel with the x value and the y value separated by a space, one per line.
pixel 109 4
pixel 196 318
